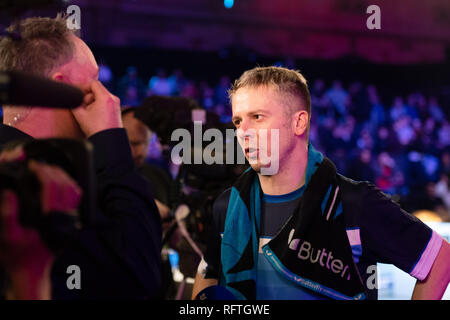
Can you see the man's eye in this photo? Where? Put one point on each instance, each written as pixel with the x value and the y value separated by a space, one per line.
pixel 236 122
pixel 257 116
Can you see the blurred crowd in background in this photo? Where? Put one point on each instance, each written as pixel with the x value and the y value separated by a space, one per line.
pixel 402 146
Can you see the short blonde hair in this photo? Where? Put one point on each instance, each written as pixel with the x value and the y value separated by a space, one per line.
pixel 44 45
pixel 288 81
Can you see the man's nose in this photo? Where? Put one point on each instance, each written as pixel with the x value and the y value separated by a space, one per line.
pixel 246 133
pixel 245 125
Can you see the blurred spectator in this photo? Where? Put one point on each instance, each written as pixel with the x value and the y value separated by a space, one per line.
pixel 131 80
pixel 442 190
pixel 428 136
pixel 314 134
pixel 416 177
pixel 423 110
pixel 388 177
pixel 360 103
pixel 177 81
pixel 413 101
pixel 386 140
pixel 362 168
pixel 404 130
pixel 190 91
pixel 319 101
pixel 398 147
pixel 224 113
pixel 378 115
pixel 445 162
pixel 444 135
pixel 343 134
pixel 160 84
pixel 431 164
pixel 435 110
pixel 326 133
pixel 365 140
pixel 131 97
pixel 105 75
pixel 207 100
pixel 139 137
pixel 221 91
pixel 339 98
pixel 429 200
pixel 398 109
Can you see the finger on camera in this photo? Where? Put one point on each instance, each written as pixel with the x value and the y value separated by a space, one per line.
pixel 9 210
pixel 9 206
pixel 12 154
pixel 60 192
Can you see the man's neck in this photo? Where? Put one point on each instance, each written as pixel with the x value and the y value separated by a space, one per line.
pixel 290 176
pixel 43 123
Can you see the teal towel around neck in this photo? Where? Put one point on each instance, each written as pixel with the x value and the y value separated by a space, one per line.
pixel 239 246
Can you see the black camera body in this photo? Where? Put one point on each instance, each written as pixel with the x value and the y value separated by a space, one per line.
pixel 197 185
pixel 75 158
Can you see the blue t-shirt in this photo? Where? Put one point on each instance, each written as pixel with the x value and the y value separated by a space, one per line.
pixel 378 230
pixel 270 284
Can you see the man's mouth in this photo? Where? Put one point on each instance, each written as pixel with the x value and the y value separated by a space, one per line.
pixel 251 152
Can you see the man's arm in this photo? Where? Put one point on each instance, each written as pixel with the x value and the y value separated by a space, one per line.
pixel 128 244
pixel 434 285
pixel 125 199
pixel 202 283
pixel 208 271
pixel 393 236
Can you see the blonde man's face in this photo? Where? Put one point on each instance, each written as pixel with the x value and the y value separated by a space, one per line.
pixel 260 113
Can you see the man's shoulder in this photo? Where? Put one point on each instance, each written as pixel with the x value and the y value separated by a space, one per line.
pixel 362 198
pixel 359 191
pixel 350 184
pixel 366 205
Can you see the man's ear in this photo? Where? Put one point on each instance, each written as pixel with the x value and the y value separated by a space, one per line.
pixel 58 76
pixel 301 119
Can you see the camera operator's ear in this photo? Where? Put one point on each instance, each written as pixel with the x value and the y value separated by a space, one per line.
pixel 58 76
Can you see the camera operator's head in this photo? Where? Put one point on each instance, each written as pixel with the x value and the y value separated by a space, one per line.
pixel 47 48
pixel 138 134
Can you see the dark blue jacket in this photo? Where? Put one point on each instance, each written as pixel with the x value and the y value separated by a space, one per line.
pixel 119 256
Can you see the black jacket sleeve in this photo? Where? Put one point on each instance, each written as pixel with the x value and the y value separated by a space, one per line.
pixel 119 256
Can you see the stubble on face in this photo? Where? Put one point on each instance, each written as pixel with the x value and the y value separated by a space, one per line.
pixel 275 115
pixel 139 137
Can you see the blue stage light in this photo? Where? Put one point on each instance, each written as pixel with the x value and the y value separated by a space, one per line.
pixel 228 3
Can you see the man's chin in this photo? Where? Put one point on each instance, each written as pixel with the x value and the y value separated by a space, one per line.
pixel 139 164
pixel 257 167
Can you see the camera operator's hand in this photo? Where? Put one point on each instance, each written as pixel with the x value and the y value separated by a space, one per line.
pixel 100 110
pixel 59 192
pixel 24 256
pixel 12 155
